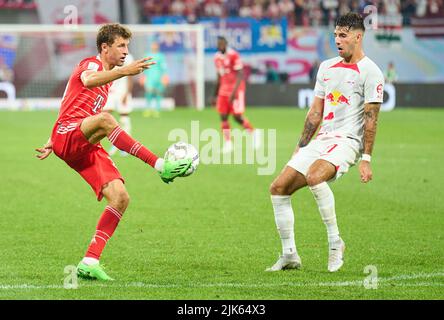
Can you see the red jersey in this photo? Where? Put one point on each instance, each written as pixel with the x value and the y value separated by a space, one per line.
pixel 78 101
pixel 227 65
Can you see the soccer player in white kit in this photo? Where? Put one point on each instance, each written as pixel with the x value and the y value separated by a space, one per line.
pixel 348 96
pixel 119 100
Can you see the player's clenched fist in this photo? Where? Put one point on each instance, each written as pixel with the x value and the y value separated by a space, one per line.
pixel 138 66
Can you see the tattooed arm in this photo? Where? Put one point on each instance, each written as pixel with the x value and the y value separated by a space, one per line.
pixel 371 111
pixel 312 122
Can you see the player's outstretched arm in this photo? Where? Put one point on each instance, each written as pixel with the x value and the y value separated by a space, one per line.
pixel 371 111
pixel 92 79
pixel 312 123
pixel 45 151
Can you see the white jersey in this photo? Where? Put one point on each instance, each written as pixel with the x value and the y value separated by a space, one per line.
pixel 345 89
pixel 120 86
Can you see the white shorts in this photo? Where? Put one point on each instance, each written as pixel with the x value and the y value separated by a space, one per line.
pixel 114 103
pixel 343 153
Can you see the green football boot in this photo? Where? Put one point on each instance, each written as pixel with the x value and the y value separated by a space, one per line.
pixel 92 272
pixel 174 169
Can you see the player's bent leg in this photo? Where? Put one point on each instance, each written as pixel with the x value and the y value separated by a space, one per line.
pixel 320 171
pixel 318 174
pixel 288 181
pixel 243 122
pixel 97 127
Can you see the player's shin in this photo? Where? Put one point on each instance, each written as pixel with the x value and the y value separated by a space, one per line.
pixel 225 126
pixel 247 125
pixel 326 203
pixel 123 141
pixel 284 217
pixel 105 228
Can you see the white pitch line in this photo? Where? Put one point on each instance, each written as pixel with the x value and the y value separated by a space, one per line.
pixel 357 283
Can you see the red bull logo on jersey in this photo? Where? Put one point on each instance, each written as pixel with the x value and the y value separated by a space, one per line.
pixel 336 98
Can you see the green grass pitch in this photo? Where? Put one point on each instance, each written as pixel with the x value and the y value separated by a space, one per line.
pixel 211 235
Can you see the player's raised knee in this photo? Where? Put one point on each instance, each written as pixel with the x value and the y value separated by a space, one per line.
pixel 107 121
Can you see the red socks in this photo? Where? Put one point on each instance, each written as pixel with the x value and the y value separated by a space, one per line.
pixel 105 228
pixel 123 141
pixel 226 130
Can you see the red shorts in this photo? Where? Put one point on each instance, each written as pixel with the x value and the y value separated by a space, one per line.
pixel 91 161
pixel 237 107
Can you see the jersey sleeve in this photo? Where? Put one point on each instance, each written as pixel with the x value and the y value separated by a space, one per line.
pixel 237 62
pixel 85 66
pixel 319 90
pixel 374 86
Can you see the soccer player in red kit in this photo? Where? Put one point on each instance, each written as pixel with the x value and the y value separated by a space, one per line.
pixel 229 94
pixel 81 125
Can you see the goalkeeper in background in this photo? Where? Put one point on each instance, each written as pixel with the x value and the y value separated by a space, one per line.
pixel 155 83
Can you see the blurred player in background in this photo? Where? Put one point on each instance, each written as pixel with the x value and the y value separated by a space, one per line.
pixel 348 96
pixel 391 76
pixel 229 94
pixel 80 127
pixel 155 82
pixel 119 99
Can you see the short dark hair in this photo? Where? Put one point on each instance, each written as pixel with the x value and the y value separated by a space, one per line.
pixel 351 20
pixel 222 38
pixel 108 33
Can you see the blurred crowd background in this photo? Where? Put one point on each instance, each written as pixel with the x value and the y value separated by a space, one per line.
pixel 298 12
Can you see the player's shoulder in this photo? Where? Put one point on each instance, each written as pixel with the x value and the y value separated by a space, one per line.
pixel 368 66
pixel 330 62
pixel 232 53
pixel 91 63
pixel 218 55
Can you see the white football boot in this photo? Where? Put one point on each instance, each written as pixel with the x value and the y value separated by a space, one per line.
pixel 336 255
pixel 285 262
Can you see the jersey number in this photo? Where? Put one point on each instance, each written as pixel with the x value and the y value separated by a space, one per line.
pixel 98 103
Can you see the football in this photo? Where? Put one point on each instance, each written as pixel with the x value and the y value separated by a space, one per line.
pixel 182 150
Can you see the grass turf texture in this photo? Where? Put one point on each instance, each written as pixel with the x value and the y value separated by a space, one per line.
pixel 211 235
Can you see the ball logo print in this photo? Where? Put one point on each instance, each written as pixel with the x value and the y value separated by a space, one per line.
pixel 181 150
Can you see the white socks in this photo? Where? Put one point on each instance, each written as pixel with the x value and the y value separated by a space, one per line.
pixel 159 164
pixel 326 204
pixel 284 217
pixel 90 261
